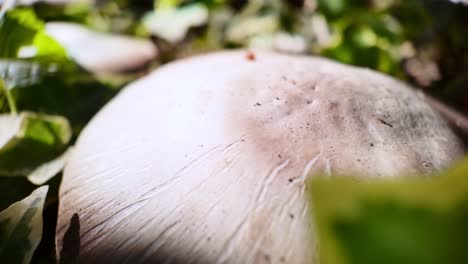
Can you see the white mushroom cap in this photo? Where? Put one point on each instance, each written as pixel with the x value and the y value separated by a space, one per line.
pixel 205 160
pixel 101 52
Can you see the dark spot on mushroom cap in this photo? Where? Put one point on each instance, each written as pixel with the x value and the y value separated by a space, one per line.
pixel 385 122
pixel 371 144
pixel 427 164
pixel 291 216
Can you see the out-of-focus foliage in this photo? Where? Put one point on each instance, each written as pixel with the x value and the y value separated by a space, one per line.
pixel 172 24
pixel 392 221
pixel 45 100
pixel 43 173
pixel 28 140
pixel 422 41
pixel 55 89
pixel 20 28
pixel 21 228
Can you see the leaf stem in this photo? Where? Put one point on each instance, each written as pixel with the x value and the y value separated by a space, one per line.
pixel 9 97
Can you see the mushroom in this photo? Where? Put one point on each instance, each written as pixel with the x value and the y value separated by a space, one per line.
pixel 101 52
pixel 204 161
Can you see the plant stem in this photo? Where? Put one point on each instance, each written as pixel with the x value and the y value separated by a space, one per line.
pixel 9 97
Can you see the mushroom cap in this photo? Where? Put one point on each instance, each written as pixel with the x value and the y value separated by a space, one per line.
pixel 205 160
pixel 102 52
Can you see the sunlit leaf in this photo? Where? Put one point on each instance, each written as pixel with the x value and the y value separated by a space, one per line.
pixel 22 35
pixel 54 89
pixel 28 140
pixel 46 171
pixel 172 25
pixel 21 228
pixel 241 30
pixel 392 221
pixel 167 4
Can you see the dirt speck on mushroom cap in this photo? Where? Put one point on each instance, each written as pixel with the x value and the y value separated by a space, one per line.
pixel 219 147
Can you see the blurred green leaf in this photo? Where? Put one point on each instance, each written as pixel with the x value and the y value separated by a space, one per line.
pixel 392 221
pixel 22 35
pixel 28 140
pixel 21 228
pixel 167 4
pixel 172 25
pixel 332 7
pixel 240 30
pixel 55 89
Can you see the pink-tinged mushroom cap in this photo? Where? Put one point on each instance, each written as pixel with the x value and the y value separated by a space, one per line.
pixel 204 161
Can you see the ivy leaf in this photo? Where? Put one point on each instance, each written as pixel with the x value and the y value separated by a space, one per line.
pixel 53 89
pixel 21 228
pixel 392 221
pixel 28 140
pixel 22 35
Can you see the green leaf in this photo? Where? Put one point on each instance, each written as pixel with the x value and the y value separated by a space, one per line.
pixel 333 7
pixel 22 35
pixel 13 189
pixel 54 89
pixel 418 220
pixel 167 4
pixel 21 228
pixel 16 73
pixel 28 140
pixel 172 25
pixel 239 31
pixel 46 171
